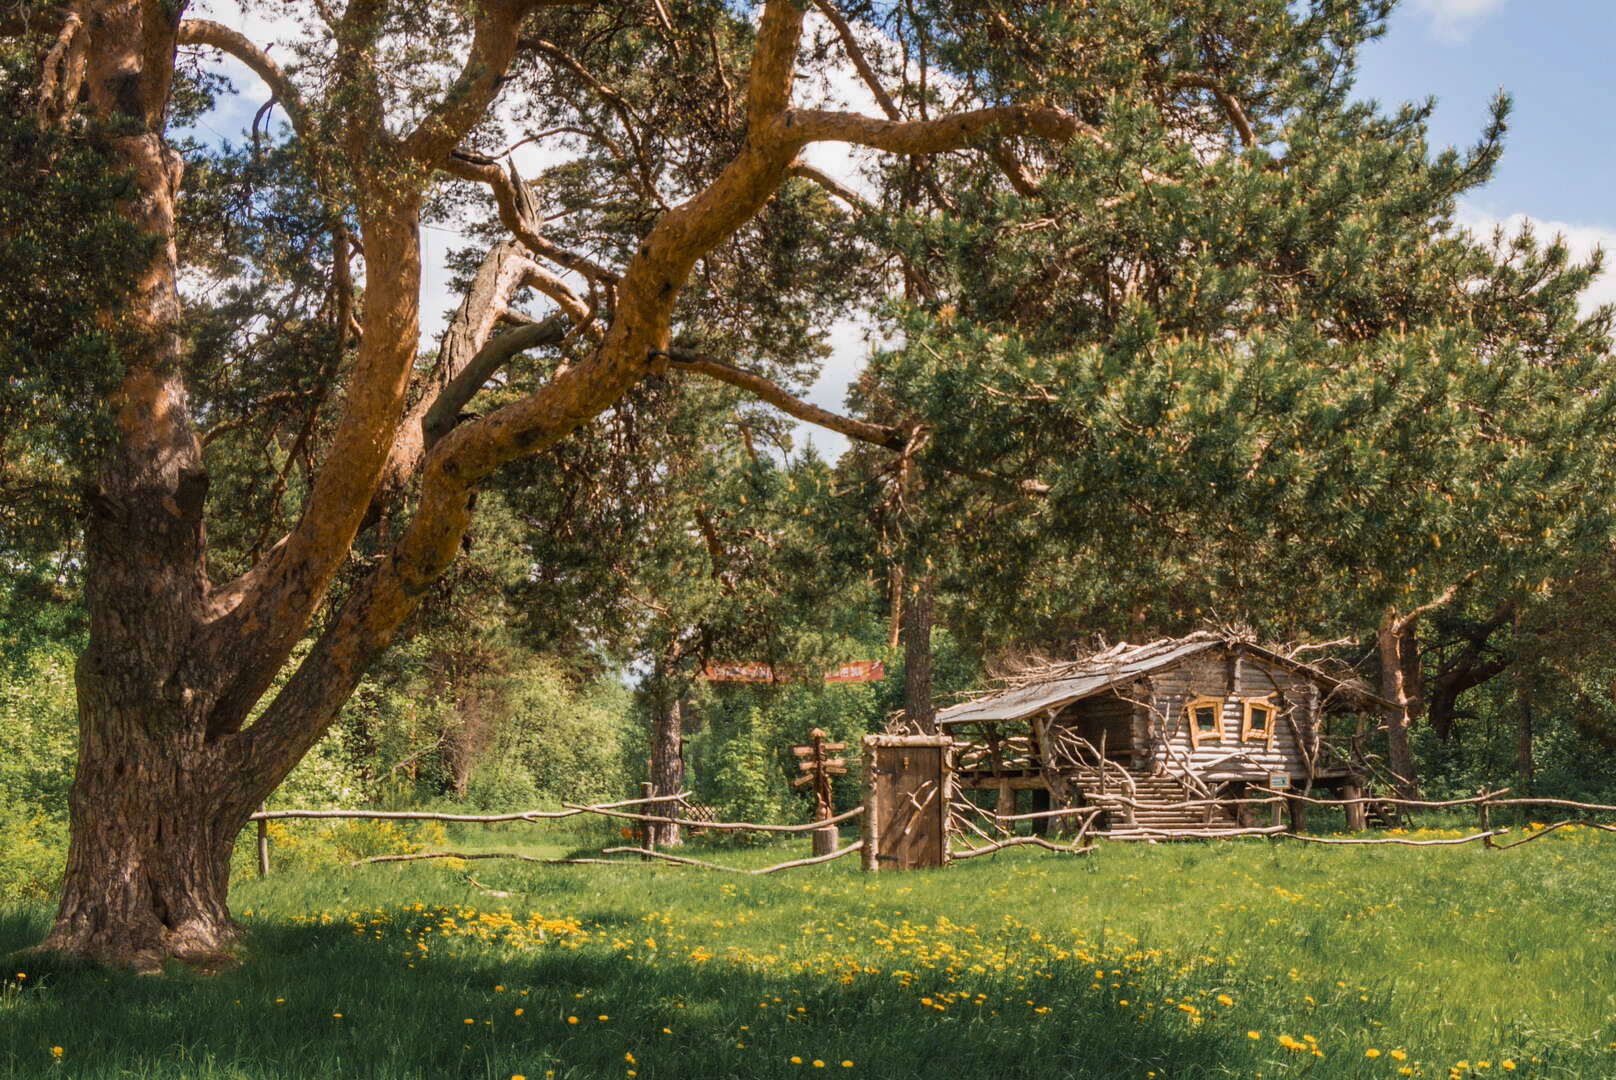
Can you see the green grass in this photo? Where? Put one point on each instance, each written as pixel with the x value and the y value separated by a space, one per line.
pixel 1138 962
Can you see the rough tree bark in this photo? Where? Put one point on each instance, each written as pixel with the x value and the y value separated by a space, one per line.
pixel 918 711
pixel 1400 683
pixel 1467 670
pixel 667 762
pixel 1525 689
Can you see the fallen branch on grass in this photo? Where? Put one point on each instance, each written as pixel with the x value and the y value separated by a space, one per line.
pixel 1018 841
pixel 1395 839
pixel 1490 797
pixel 484 855
pixel 1146 833
pixel 730 825
pixel 1550 828
pixel 687 861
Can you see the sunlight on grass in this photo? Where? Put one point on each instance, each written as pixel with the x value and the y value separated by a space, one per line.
pixel 1171 961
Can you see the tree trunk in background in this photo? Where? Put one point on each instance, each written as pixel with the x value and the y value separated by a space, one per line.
pixel 667 761
pixel 917 707
pixel 1525 686
pixel 1400 682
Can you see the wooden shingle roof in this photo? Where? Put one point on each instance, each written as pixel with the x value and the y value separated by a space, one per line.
pixel 1058 684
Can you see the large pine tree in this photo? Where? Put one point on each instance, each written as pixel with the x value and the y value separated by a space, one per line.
pixel 1157 275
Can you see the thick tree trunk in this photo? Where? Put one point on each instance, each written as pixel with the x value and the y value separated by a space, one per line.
pixel 1400 683
pixel 154 813
pixel 918 711
pixel 667 760
pixel 154 817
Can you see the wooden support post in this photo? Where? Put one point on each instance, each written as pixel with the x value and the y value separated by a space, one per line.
pixel 1298 812
pixel 1357 814
pixel 1040 803
pixel 870 831
pixel 263 844
pixel 1485 813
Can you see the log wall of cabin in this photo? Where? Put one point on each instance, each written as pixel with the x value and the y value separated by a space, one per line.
pixel 1232 678
pixel 1108 716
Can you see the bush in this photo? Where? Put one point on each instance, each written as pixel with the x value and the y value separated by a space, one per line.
pixel 35 853
pixel 317 844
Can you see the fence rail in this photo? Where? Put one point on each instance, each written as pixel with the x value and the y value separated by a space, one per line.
pixel 993 832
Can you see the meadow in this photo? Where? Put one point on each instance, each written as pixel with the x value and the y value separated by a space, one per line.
pixel 1147 962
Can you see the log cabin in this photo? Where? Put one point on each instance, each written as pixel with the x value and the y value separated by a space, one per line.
pixel 1137 728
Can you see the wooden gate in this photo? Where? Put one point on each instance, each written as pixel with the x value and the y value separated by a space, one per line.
pixel 908 788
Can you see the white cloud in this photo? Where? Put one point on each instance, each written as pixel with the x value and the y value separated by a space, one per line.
pixel 1452 20
pixel 1582 240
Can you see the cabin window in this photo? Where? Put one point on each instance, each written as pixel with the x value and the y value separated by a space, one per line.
pixel 1205 717
pixel 1257 724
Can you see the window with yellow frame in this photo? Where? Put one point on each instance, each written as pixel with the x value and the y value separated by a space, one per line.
pixel 1205 718
pixel 1257 719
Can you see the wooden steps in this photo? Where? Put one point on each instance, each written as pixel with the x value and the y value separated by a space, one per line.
pixel 1154 810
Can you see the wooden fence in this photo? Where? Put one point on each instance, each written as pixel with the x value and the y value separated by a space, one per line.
pixel 973 832
pixel 913 818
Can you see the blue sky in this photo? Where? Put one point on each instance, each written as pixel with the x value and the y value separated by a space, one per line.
pixel 1554 57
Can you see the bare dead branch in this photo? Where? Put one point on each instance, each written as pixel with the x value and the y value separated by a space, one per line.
pixel 468 855
pixel 1230 104
pixel 509 200
pixel 863 431
pixel 800 168
pixel 686 861
pixel 218 36
pixel 855 53
pixel 62 73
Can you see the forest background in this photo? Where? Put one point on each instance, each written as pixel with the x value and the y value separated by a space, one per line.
pixel 593 585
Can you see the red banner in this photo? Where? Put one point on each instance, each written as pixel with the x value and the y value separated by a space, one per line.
pixel 852 671
pixel 858 671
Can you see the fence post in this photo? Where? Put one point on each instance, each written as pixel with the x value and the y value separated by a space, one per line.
pixel 263 844
pixel 870 825
pixel 1485 812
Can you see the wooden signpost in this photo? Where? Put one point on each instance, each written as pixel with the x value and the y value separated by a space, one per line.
pixel 817 768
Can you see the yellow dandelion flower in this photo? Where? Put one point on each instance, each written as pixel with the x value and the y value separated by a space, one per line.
pixel 1400 1055
pixel 1371 1052
pixel 518 1012
pixel 56 1051
pixel 572 1019
pixel 847 1064
pixel 1225 999
pixel 795 1060
pixel 602 1016
pixel 629 1057
pixel 818 1064
pixel 1507 1063
pixel 1253 1034
pixel 337 1015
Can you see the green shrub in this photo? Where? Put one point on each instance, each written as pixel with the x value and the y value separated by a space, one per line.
pixel 35 851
